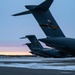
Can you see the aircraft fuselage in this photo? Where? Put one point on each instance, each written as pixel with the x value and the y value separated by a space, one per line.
pixel 61 43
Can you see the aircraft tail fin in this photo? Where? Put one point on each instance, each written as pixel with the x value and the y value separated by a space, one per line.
pixel 32 48
pixel 42 7
pixel 44 18
pixel 36 50
pixel 34 41
pixel 29 45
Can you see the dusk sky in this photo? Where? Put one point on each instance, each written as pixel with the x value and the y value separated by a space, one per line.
pixel 12 28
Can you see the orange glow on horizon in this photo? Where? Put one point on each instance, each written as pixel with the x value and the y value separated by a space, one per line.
pixel 21 50
pixel 15 53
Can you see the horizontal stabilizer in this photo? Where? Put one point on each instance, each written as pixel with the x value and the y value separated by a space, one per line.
pixel 44 6
pixel 30 7
pixel 22 37
pixel 30 36
pixel 28 44
pixel 22 13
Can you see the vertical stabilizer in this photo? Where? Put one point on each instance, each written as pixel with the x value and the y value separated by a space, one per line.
pixel 34 40
pixel 44 18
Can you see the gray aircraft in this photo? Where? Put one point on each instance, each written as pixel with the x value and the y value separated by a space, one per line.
pixel 37 49
pixel 55 37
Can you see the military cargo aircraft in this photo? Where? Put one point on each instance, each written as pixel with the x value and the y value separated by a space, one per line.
pixel 55 37
pixel 37 49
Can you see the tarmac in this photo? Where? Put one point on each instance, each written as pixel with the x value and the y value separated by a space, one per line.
pixel 37 66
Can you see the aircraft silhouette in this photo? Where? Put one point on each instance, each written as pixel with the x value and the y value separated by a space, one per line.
pixel 55 37
pixel 37 49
